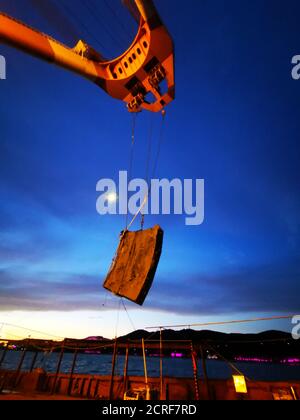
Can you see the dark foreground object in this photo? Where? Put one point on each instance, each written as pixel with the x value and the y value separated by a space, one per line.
pixel 133 269
pixel 39 385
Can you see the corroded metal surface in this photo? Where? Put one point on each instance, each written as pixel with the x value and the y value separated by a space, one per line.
pixel 133 269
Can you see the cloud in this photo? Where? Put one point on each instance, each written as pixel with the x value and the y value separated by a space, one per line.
pixel 49 292
pixel 274 288
pixel 268 288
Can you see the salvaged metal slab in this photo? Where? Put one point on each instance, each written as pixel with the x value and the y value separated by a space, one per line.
pixel 133 269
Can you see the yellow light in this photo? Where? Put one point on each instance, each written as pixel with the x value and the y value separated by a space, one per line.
pixel 240 384
pixel 112 197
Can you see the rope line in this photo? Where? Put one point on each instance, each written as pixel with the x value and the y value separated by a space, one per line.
pixel 207 324
pixel 228 362
pixel 148 161
pixel 118 319
pixel 131 159
pixel 130 320
pixel 160 141
pixel 31 330
pixel 154 173
pixel 234 368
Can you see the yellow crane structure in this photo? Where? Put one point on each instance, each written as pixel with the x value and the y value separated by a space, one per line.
pixel 132 77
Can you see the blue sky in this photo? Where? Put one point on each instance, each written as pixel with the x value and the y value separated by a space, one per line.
pixel 235 123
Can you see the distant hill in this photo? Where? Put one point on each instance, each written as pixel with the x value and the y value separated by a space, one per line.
pixel 206 335
pixel 266 346
pixel 275 346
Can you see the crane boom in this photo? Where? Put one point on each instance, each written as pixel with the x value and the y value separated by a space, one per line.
pixel 130 77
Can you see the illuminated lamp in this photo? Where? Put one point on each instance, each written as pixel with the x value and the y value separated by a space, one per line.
pixel 240 384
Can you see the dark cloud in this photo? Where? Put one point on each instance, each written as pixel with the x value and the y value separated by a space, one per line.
pixel 30 251
pixel 274 288
pixel 270 288
pixel 49 292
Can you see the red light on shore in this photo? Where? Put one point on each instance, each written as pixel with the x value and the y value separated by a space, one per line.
pixel 176 355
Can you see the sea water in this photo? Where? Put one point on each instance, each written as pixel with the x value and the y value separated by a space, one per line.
pixel 101 364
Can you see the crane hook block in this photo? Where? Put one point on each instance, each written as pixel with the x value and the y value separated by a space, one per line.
pixel 143 76
pixel 133 269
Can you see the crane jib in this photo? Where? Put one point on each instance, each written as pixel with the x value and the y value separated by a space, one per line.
pixel 142 77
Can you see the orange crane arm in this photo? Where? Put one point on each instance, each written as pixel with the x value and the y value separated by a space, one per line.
pixel 130 77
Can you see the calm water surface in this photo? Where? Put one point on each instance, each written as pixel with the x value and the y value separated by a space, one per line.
pixel 102 364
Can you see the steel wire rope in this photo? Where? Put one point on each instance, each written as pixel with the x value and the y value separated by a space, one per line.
pixel 130 320
pixel 228 362
pixel 154 171
pixel 232 365
pixel 244 321
pixel 69 11
pixel 118 318
pixel 94 13
pixel 31 330
pixel 131 159
pixel 148 161
pixel 117 18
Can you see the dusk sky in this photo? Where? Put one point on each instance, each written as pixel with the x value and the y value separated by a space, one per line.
pixel 235 123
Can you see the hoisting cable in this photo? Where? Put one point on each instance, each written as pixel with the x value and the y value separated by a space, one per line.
pixel 98 17
pixel 234 368
pixel 105 300
pixel 209 324
pixel 153 173
pixel 130 320
pixel 31 330
pixel 118 319
pixel 69 11
pixel 160 141
pixel 134 118
pixel 149 151
pixel 117 18
pixel 148 161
